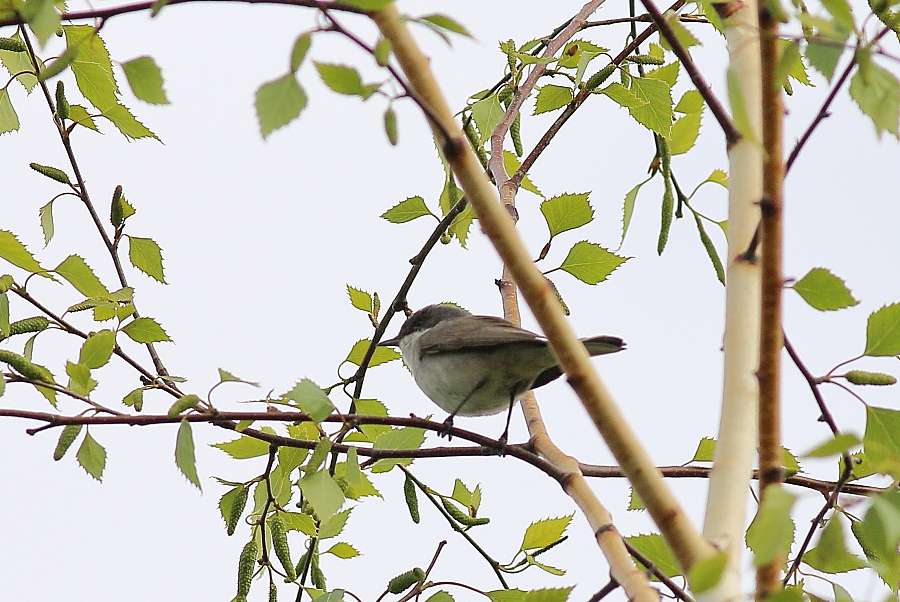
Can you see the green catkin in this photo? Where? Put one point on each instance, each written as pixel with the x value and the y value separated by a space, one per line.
pixel 116 215
pixel 237 508
pixel 35 324
pixel 66 439
pixel 412 501
pixel 598 78
pixel 27 369
pixel 320 452
pixel 246 564
pixel 862 377
pixel 51 172
pixel 12 45
pixel 183 403
pixel 280 545
pixel 62 105
pixel 404 581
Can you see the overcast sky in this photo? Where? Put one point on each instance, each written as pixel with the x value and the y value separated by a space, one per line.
pixel 260 239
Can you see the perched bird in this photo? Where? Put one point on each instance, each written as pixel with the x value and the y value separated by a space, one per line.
pixel 479 365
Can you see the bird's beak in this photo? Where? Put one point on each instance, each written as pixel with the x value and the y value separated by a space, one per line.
pixel 389 343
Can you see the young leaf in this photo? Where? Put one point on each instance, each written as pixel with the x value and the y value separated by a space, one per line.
pixel 706 573
pixel 690 102
pixel 381 355
pixel 145 330
pixel 46 215
pixel 823 56
pixel 298 52
pixel 542 533
pixel 79 274
pixel 397 438
pixel 359 299
pixel 334 525
pixel 830 555
pixel 877 93
pixel 590 263
pixel 657 113
pixel 135 399
pixel 243 447
pixel 310 399
pixel 824 291
pixel 97 349
pixel 342 550
pixel 684 133
pixel 836 445
pixel 567 212
pixel 772 530
pixel 446 23
pixel 146 256
pixel 551 97
pixel 407 210
pixel 79 115
pixel 881 441
pixel 883 331
pixel 9 120
pixel 487 114
pixel 279 102
pixel 323 494
pixel 511 163
pixel 92 457
pixel 184 453
pixel 343 79
pixel 145 80
pixel 390 126
pixel 654 547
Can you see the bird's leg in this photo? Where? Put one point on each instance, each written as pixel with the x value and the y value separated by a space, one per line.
pixel 448 423
pixel 505 435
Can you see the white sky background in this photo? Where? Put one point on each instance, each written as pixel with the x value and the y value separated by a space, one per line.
pixel 260 239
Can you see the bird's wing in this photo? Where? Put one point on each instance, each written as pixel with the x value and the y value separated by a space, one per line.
pixel 482 332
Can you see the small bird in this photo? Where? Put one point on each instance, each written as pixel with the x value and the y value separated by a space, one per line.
pixel 479 365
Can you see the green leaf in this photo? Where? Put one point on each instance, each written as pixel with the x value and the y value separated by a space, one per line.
pixel 311 399
pixel 145 80
pixel 243 447
pixel 126 123
pixel 550 98
pixel 42 17
pixel 145 330
pixel 440 596
pixel 881 441
pixel 684 37
pixel 877 93
pixel 657 114
pixel 710 248
pixel 298 52
pixel 706 573
pixel 567 212
pixel 628 209
pixel 9 120
pixel 544 532
pixel 184 453
pixel 297 521
pixel 279 102
pixel 790 64
pixel 654 547
pixel 446 23
pixel 76 271
pixel 92 457
pixel 15 252
pixel 46 215
pixel 323 494
pixel 623 96
pixel 591 263
pixel 823 56
pixel 772 530
pixel 359 299
pixel 560 594
pixel 146 256
pixel 97 349
pixel 486 114
pixel 840 10
pixel 877 534
pixel 334 525
pixel 397 438
pixel 135 399
pixel 836 445
pixel 667 73
pixel 690 102
pixel 684 133
pixel 342 550
pixel 343 80
pixel 382 354
pixel 511 164
pixel 706 450
pixel 79 115
pixel 19 63
pixel 80 381
pixel 830 555
pixel 407 210
pixel 883 331
pixel 824 291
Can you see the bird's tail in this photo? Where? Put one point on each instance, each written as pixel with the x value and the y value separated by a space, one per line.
pixel 603 344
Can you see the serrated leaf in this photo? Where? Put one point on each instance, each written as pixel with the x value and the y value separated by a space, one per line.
pixel 279 102
pixel 310 399
pixel 342 79
pixel 407 210
pixel 790 64
pixel 486 114
pixel 623 96
pixel 823 56
pixel 881 441
pixel 824 291
pixel 19 64
pixel 684 134
pixel 92 457
pixel 42 17
pixel 80 381
pixel 446 23
pixel 710 248
pixel 544 532
pixel 184 453
pixel 79 115
pixel 667 73
pixel 397 438
pixel 79 274
pixel 127 124
pixel 551 97
pixel 567 212
pixel 836 445
pixel 705 450
pixel 657 114
pixel 297 521
pixel 690 102
pixel 654 547
pixel 706 573
pixel 243 447
pixel 772 530
pixel 334 525
pixel 9 120
pixel 342 550
pixel 628 209
pixel 97 349
pixel 46 215
pixel 877 93
pixel 830 555
pixel 145 330
pixel 440 596
pixel 883 331
pixel 135 399
pixel 145 80
pixel 146 256
pixel 359 299
pixel 840 10
pixel 15 253
pixel 560 594
pixel 299 50
pixel 511 164
pixel 323 494
pixel 591 263
pixel 381 355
